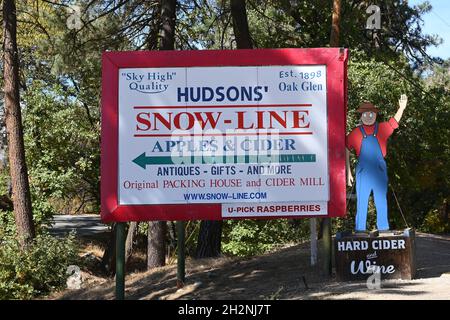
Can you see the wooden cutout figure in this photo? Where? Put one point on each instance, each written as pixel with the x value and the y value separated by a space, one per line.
pixel 369 140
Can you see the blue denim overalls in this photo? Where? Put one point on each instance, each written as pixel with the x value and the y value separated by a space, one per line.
pixel 371 175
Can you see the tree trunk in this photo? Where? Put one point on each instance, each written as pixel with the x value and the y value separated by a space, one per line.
pixel 209 239
pixel 13 119
pixel 210 234
pixel 156 249
pixel 156 244
pixel 132 229
pixel 108 263
pixel 240 24
pixel 336 20
pixel 168 17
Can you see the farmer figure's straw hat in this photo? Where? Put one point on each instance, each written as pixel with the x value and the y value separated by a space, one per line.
pixel 367 106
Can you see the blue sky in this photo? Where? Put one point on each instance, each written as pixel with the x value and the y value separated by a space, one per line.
pixel 437 22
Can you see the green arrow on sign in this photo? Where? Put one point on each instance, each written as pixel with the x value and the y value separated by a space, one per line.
pixel 142 160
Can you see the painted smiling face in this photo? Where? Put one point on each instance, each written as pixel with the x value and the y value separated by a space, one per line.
pixel 368 118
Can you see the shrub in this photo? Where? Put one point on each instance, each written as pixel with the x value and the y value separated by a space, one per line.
pixel 37 269
pixel 252 237
pixel 434 223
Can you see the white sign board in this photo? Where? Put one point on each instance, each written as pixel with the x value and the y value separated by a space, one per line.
pixel 232 135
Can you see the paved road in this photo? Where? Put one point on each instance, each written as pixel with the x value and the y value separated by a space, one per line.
pixel 83 224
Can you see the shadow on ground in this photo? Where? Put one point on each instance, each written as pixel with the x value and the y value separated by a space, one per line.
pixel 284 274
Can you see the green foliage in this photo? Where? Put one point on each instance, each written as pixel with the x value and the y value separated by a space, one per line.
pixel 7 223
pixel 4 179
pixel 206 24
pixel 251 237
pixel 37 269
pixel 434 222
pixel 192 229
pixel 62 151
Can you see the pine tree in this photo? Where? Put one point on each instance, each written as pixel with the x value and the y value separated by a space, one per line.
pixel 14 130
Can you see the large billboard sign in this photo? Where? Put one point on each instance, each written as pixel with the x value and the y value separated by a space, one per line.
pixel 223 134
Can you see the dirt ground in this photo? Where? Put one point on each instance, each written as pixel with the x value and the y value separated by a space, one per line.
pixel 282 274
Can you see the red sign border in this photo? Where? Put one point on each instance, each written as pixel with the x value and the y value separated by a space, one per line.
pixel 335 60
